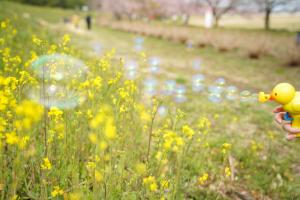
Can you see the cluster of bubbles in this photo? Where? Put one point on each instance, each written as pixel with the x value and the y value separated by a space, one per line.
pixel 139 44
pixel 131 69
pixel 154 65
pixel 55 72
pixel 151 86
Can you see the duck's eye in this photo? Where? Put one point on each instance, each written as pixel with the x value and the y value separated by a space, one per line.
pixel 275 94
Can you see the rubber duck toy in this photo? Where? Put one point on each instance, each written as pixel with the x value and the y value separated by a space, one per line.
pixel 286 95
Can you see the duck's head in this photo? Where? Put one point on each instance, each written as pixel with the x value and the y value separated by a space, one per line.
pixel 283 93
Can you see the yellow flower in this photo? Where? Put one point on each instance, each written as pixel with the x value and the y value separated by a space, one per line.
pixel 110 129
pixel 203 179
pixel 153 187
pixel 93 138
pixel 12 138
pixel 226 147
pixel 164 184
pixel 46 164
pixel 227 172
pixel 141 168
pixel 98 176
pixel 103 145
pixel 188 131
pixel 91 165
pixel 3 25
pixel 66 39
pixel 150 182
pixel 57 191
pixel 36 40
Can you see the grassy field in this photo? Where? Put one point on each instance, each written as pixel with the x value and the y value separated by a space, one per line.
pixel 117 144
pixel 290 22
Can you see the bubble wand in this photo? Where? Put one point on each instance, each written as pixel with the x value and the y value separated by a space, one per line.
pixel 286 95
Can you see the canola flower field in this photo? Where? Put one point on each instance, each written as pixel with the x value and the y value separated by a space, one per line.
pixel 80 120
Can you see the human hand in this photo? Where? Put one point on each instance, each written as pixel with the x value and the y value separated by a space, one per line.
pixel 293 133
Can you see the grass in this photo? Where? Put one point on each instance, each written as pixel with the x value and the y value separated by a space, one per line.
pixel 236 144
pixel 284 21
pixel 280 45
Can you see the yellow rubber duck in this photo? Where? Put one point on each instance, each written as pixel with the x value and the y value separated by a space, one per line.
pixel 286 95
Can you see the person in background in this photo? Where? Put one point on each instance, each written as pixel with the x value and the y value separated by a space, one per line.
pixel 88 20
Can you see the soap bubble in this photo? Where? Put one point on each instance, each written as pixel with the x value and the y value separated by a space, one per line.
pixel 139 42
pixel 197 82
pixel 220 81
pixel 131 69
pixel 162 111
pixel 154 63
pixel 231 93
pixel 197 64
pixel 253 98
pixel 180 94
pixel 215 89
pixel 59 67
pixel 97 48
pixel 169 87
pixel 56 73
pixel 215 97
pixel 150 86
pixel 245 96
pixel 56 96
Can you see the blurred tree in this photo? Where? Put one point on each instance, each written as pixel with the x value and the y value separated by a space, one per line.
pixel 268 6
pixel 219 7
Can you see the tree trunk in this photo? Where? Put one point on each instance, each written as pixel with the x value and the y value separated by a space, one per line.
pixel 186 19
pixel 267 18
pixel 216 22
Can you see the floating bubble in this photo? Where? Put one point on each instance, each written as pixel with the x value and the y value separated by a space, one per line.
pixel 154 69
pixel 59 67
pixel 169 87
pixel 220 81
pixel 138 44
pixel 231 93
pixel 154 61
pixel 231 89
pixel 197 83
pixel 56 96
pixel 138 48
pixel 215 89
pixel 150 86
pixel 162 111
pixel 197 64
pixel 97 48
pixel 215 97
pixel 131 70
pixel 180 94
pixel 56 73
pixel 139 40
pixel 253 97
pixel 245 96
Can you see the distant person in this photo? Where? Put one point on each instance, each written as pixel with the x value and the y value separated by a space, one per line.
pixel 298 38
pixel 88 20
